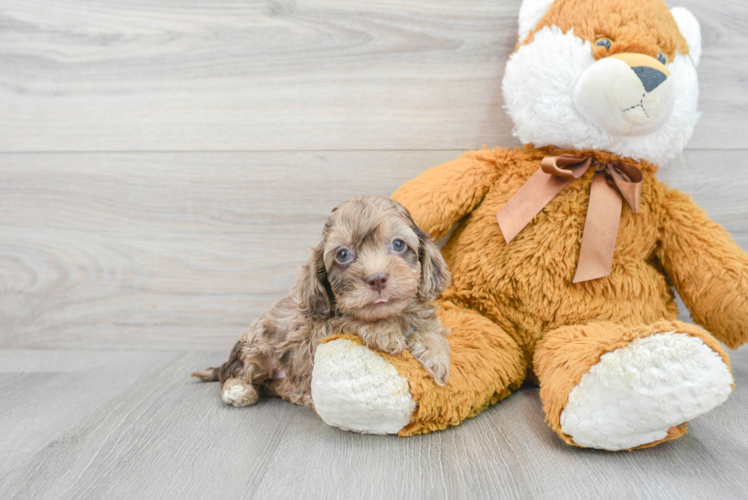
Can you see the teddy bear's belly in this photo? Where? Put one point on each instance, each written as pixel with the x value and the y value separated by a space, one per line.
pixel 526 285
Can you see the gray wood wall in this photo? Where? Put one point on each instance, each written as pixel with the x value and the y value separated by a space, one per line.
pixel 165 164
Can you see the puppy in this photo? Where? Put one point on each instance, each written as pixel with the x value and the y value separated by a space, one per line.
pixel 374 273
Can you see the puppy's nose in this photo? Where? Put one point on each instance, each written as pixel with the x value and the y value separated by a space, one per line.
pixel 377 281
pixel 651 78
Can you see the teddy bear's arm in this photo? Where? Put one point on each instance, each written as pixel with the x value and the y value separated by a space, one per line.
pixel 439 197
pixel 707 268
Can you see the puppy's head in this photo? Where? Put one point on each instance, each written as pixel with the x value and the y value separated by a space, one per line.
pixel 371 263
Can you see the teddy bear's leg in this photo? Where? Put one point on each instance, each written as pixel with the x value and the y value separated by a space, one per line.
pixel 358 389
pixel 614 387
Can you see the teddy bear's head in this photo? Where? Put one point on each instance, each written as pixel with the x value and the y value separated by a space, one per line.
pixel 612 75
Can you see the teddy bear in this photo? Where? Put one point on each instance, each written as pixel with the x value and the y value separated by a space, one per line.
pixel 565 252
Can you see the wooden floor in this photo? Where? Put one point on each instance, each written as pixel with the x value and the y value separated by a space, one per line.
pixel 164 167
pixel 129 424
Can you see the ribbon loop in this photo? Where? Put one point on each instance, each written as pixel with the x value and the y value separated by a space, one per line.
pixel 615 181
pixel 628 180
pixel 566 166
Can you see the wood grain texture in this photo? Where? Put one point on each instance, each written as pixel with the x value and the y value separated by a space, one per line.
pixel 131 425
pixel 166 250
pixel 216 137
pixel 182 251
pixel 170 75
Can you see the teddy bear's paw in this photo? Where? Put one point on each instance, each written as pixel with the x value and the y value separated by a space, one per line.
pixel 634 394
pixel 355 389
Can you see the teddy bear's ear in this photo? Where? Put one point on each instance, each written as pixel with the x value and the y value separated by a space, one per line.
pixel 691 31
pixel 529 14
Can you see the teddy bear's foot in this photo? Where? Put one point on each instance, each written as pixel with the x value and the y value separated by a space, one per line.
pixel 612 387
pixel 358 389
pixel 355 389
pixel 635 394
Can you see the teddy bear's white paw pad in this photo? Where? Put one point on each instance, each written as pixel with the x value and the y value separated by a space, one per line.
pixel 355 389
pixel 634 394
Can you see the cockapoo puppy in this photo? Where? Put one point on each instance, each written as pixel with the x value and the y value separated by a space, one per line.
pixel 374 273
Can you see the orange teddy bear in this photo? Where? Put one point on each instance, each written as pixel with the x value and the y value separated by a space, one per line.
pixel 565 252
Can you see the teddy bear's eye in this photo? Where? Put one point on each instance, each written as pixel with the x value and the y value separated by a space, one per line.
pixel 604 42
pixel 662 58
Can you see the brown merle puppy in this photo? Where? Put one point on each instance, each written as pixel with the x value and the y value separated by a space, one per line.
pixel 374 273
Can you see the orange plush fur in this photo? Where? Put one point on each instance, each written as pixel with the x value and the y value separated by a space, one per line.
pixel 525 288
pixel 637 26
pixel 513 309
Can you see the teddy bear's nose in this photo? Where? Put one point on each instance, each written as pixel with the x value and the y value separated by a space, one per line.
pixel 651 78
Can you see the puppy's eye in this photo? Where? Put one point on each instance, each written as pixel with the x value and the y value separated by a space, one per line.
pixel 604 42
pixel 662 58
pixel 343 255
pixel 398 245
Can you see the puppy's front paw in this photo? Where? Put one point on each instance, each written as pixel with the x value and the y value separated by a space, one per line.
pixel 389 342
pixel 238 393
pixel 436 364
pixel 432 352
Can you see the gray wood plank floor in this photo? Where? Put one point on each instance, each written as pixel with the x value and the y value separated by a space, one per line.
pixel 104 424
pixel 164 167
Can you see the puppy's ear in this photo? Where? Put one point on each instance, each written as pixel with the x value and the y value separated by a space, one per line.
pixel 313 288
pixel 435 277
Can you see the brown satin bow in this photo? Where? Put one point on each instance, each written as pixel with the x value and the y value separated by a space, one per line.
pixel 612 182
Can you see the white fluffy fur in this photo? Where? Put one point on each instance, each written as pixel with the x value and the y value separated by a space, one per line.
pixel 538 86
pixel 530 13
pixel 355 389
pixel 633 395
pixel 610 94
pixel 236 395
pixel 689 27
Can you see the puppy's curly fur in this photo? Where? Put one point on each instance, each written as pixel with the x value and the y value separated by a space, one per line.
pixel 374 273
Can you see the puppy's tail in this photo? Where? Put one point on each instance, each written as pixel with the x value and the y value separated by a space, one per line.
pixel 234 367
pixel 208 375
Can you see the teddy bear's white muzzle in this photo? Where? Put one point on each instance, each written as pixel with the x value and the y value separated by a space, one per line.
pixel 625 100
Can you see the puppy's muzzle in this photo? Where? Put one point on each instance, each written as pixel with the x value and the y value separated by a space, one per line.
pixel 625 94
